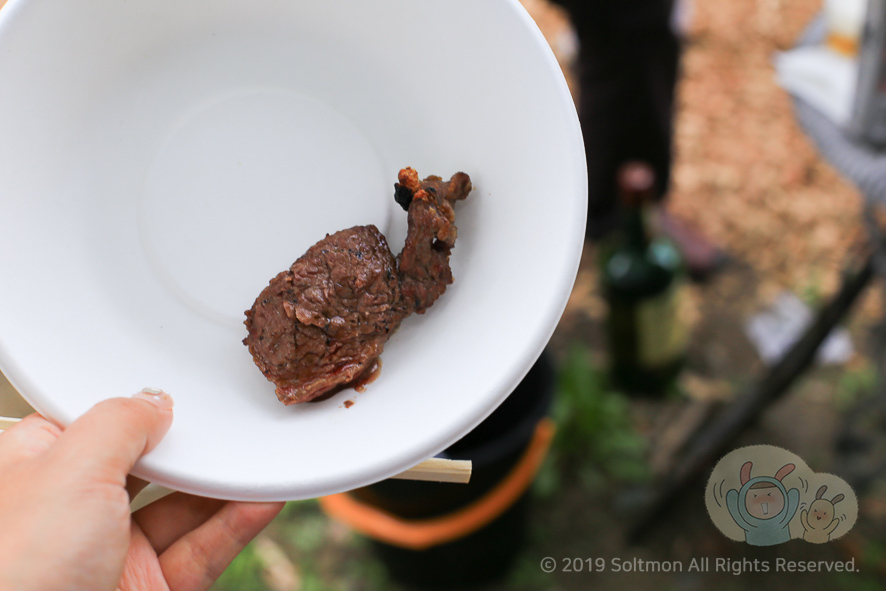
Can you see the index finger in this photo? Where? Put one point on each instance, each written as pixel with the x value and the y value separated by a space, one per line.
pixel 26 439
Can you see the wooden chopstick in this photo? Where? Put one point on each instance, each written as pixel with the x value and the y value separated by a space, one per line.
pixel 7 422
pixel 439 470
pixel 434 469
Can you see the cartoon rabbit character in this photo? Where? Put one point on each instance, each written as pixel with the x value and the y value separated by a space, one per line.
pixel 763 507
pixel 819 521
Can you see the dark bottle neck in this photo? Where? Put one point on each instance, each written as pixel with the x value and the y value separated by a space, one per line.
pixel 636 185
pixel 636 232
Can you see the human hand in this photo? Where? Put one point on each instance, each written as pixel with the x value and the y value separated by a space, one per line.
pixel 65 521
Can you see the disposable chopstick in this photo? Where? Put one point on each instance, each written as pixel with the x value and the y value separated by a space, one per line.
pixel 439 470
pixel 434 469
pixel 7 422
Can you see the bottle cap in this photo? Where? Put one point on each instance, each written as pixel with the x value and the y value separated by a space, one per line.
pixel 636 183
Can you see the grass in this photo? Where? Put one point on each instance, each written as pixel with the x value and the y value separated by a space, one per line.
pixel 856 383
pixel 595 439
pixel 245 573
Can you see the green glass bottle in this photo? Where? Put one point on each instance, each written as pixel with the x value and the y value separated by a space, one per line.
pixel 642 277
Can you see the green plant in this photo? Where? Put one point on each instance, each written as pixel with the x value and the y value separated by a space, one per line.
pixel 812 293
pixel 308 534
pixel 855 384
pixel 595 437
pixel 325 559
pixel 243 574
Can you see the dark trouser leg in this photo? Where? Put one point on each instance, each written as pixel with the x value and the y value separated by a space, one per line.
pixel 628 70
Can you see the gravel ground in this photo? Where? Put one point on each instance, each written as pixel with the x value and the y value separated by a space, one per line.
pixel 745 172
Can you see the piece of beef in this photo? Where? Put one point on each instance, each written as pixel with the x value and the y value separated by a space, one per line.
pixel 324 321
pixel 423 264
pixel 321 325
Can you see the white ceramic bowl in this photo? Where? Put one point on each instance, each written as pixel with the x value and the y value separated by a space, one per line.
pixel 161 161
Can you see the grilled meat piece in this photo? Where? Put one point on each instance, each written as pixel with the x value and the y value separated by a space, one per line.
pixel 321 325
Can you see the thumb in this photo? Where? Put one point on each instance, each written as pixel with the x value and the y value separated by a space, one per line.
pixel 109 439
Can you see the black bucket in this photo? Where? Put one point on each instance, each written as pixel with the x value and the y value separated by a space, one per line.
pixel 495 447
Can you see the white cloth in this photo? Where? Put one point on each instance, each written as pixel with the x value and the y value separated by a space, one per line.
pixel 858 162
pixel 821 77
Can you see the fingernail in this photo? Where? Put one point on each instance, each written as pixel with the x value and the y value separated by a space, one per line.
pixel 158 398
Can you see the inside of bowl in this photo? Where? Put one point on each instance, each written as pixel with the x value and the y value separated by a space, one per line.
pixel 160 162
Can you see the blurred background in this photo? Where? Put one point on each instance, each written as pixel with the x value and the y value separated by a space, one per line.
pixel 746 175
